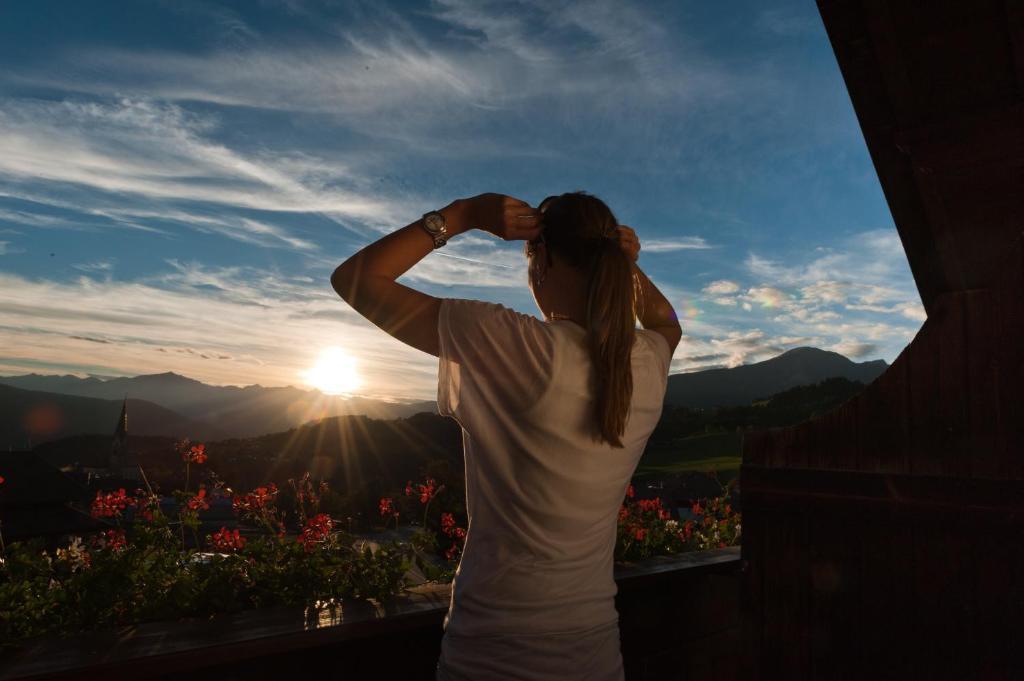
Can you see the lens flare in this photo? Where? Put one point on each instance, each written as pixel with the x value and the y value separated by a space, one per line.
pixel 688 309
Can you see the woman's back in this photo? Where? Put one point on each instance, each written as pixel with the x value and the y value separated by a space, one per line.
pixel 543 491
pixel 553 424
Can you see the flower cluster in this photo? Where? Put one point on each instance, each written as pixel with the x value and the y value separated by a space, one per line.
pixel 76 555
pixel 114 540
pixel 458 535
pixel 717 525
pixel 147 504
pixel 259 507
pixel 653 506
pixel 112 504
pixel 387 509
pixel 426 491
pixel 646 528
pixel 198 501
pixel 192 453
pixel 316 530
pixel 225 540
pixel 257 500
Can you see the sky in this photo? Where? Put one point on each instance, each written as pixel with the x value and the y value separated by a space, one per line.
pixel 178 179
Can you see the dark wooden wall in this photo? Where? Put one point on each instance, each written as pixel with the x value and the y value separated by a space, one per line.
pixel 886 539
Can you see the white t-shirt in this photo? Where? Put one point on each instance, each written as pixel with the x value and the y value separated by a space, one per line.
pixel 542 492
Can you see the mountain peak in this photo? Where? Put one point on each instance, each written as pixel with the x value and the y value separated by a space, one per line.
pixel 805 349
pixel 167 376
pixel 804 365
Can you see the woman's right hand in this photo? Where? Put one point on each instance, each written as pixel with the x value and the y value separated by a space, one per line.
pixel 629 242
pixel 505 217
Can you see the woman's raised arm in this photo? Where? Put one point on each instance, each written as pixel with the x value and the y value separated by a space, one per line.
pixel 367 280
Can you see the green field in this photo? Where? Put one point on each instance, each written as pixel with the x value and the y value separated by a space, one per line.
pixel 721 452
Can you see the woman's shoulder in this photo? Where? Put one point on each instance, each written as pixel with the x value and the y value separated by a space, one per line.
pixel 655 344
pixel 485 312
pixel 478 323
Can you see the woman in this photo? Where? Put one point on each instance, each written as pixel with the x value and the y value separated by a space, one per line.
pixel 555 415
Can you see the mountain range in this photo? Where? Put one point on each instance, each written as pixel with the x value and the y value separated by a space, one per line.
pixel 37 408
pixel 744 384
pixel 224 411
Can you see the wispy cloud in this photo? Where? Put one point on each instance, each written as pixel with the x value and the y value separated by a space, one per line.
pixel 854 349
pixel 682 243
pixel 721 287
pixel 383 77
pixel 97 266
pixel 162 152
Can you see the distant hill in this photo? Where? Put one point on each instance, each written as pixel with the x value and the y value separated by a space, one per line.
pixel 231 410
pixel 786 408
pixel 743 384
pixel 31 416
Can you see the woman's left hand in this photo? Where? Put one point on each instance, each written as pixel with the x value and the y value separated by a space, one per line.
pixel 505 217
pixel 629 242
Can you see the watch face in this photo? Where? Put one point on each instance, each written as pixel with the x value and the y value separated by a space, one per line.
pixel 435 223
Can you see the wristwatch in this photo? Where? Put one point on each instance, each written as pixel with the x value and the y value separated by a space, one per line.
pixel 436 227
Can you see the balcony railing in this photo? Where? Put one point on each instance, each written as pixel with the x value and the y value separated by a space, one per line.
pixel 679 618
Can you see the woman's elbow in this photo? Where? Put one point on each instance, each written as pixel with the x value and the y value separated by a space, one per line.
pixel 341 280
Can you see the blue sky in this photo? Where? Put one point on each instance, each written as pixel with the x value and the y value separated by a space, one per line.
pixel 178 179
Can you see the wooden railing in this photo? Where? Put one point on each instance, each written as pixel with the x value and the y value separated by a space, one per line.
pixel 679 618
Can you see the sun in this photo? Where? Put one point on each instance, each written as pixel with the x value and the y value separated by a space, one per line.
pixel 334 373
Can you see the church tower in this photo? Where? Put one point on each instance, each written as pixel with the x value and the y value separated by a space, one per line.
pixel 120 464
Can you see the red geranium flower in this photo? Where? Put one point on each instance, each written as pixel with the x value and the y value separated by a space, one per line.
pixel 259 498
pixel 649 504
pixel 317 529
pixel 114 539
pixel 110 505
pixel 387 507
pixel 630 491
pixel 198 502
pixel 223 540
pixel 427 491
pixel 194 454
